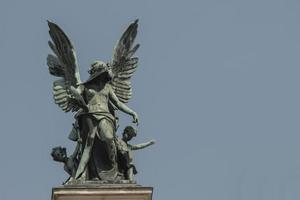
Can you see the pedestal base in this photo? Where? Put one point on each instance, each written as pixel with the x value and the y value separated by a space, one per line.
pixel 102 192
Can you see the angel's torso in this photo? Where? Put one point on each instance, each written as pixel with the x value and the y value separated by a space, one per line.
pixel 97 98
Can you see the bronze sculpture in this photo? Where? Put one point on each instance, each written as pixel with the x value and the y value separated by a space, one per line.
pixel 95 103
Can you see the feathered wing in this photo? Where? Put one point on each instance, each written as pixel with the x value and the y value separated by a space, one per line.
pixel 124 64
pixel 63 64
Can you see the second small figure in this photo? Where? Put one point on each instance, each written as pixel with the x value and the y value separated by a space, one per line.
pixel 125 149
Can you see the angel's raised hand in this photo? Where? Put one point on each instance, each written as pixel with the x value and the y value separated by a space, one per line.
pixel 135 118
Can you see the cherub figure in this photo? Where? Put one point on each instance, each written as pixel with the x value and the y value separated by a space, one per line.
pixel 59 154
pixel 125 151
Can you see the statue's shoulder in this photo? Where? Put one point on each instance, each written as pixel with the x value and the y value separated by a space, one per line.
pixel 122 146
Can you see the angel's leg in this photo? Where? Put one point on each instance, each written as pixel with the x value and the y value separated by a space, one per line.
pixel 107 135
pixel 88 146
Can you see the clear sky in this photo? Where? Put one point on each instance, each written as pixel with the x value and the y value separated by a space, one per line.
pixel 217 87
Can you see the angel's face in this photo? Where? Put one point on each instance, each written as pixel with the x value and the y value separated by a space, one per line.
pixel 97 66
pixel 110 73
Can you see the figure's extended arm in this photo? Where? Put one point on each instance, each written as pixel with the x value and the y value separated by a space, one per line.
pixel 122 106
pixel 142 145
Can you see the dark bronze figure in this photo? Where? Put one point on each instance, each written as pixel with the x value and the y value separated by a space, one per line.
pixel 95 103
pixel 125 152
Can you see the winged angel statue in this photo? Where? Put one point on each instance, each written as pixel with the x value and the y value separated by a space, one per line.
pixel 95 103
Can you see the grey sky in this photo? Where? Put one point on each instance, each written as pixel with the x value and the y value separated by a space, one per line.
pixel 217 87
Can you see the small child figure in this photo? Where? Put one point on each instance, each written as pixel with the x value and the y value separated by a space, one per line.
pixel 125 152
pixel 59 154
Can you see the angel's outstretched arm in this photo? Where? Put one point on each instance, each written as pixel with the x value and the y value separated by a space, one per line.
pixel 122 106
pixel 142 145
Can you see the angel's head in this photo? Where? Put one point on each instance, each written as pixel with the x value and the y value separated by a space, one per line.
pixel 129 133
pixel 99 68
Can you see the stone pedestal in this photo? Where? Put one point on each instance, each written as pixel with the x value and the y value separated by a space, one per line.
pixel 102 192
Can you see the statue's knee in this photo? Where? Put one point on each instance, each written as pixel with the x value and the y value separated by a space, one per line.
pixel 106 136
pixel 106 131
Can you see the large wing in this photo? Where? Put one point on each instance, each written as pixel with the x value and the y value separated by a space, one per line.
pixel 124 64
pixel 63 64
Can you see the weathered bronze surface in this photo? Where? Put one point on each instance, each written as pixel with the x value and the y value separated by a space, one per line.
pixel 105 192
pixel 99 154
